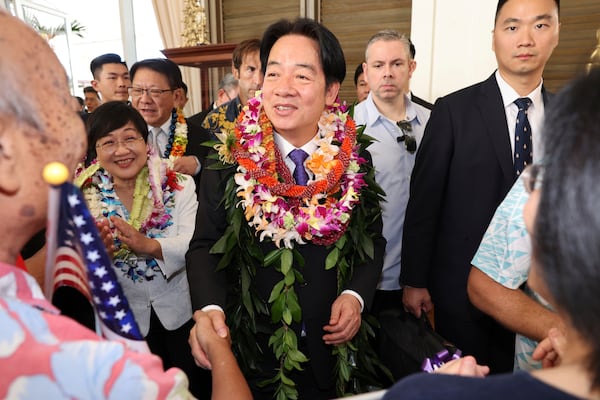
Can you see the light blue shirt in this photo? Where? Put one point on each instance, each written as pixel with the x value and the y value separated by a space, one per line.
pixel 393 167
pixel 505 256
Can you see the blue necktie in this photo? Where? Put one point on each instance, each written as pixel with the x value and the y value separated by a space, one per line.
pixel 298 156
pixel 523 141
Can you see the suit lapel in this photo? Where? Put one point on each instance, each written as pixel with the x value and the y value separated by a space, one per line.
pixel 494 117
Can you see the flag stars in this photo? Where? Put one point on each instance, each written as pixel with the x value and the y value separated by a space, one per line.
pixel 100 272
pixel 79 220
pixel 108 286
pixel 114 301
pixel 86 238
pixel 73 200
pixel 93 255
pixel 125 328
pixel 120 314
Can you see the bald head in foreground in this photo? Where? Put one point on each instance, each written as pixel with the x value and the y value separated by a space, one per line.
pixel 43 353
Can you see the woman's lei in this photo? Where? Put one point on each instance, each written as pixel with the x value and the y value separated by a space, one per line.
pixel 153 201
pixel 178 138
pixel 276 208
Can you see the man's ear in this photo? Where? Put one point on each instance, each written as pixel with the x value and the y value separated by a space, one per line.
pixel 235 71
pixel 10 181
pixel 331 93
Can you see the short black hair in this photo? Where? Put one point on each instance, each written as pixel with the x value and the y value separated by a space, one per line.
pixel 108 117
pixel 331 54
pixel 108 58
pixel 411 48
pixel 501 4
pixel 90 89
pixel 359 70
pixel 163 66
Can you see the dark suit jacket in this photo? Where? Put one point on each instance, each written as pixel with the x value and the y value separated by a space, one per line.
pixel 196 136
pixel 316 295
pixel 463 170
pixel 198 118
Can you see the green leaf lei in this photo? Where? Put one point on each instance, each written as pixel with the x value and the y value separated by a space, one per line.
pixel 356 372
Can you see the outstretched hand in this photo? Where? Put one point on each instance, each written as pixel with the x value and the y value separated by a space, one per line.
pixel 209 331
pixel 344 321
pixel 550 350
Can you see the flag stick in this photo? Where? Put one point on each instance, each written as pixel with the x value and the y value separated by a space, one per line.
pixel 55 174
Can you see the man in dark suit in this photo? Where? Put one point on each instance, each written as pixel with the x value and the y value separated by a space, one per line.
pixel 467 162
pixel 304 66
pixel 156 90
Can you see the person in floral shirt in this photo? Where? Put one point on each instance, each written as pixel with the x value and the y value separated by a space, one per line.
pixel 44 354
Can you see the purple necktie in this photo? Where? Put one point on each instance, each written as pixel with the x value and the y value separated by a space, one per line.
pixel 523 140
pixel 298 156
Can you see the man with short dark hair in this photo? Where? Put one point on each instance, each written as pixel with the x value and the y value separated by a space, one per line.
pixel 92 99
pixel 292 133
pixel 111 77
pixel 156 90
pixel 361 85
pixel 246 68
pixel 475 145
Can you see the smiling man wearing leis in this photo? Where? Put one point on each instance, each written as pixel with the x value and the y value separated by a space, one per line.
pixel 304 265
pixel 156 89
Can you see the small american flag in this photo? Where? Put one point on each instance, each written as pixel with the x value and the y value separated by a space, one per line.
pixel 83 264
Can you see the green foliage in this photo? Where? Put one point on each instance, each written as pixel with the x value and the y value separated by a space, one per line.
pixel 50 32
pixel 241 255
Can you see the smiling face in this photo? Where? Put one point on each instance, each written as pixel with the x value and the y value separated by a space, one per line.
pixel 155 110
pixel 122 153
pixel 294 90
pixel 525 34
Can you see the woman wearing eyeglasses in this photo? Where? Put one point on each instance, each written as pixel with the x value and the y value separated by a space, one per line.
pixel 149 211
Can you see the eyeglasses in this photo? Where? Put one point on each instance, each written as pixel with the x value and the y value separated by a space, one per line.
pixel 532 177
pixel 110 146
pixel 410 142
pixel 154 93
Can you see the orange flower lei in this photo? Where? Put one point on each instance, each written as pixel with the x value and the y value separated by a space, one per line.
pixel 278 207
pixel 178 139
